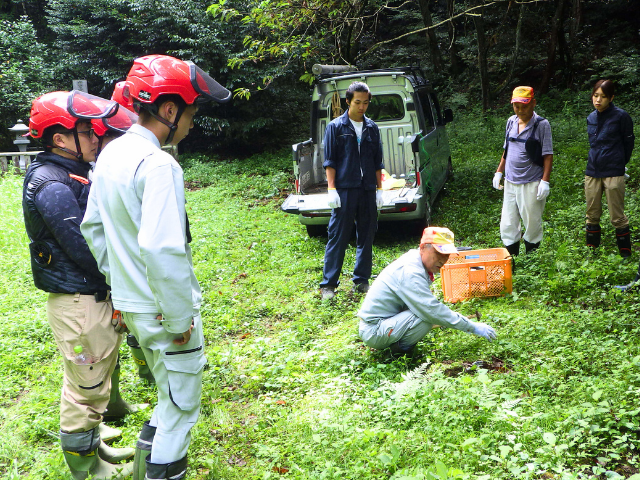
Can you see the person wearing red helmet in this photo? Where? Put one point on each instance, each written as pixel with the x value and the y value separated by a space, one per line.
pixel 79 308
pixel 137 228
pixel 108 129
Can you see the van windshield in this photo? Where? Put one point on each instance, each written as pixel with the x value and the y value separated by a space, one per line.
pixel 383 107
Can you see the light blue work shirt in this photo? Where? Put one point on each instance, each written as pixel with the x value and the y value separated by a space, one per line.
pixel 405 285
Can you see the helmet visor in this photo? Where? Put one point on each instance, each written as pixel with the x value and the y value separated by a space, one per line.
pixel 121 121
pixel 206 86
pixel 86 106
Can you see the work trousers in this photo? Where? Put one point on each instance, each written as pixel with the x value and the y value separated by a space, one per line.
pixel 406 328
pixel 357 205
pixel 520 203
pixel 79 321
pixel 613 188
pixel 178 373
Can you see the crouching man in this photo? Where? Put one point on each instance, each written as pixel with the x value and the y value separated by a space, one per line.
pixel 399 309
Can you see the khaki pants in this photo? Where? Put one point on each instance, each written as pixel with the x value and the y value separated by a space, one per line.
pixel 614 190
pixel 79 320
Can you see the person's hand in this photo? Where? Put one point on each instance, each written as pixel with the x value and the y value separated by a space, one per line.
pixel 186 336
pixel 496 180
pixel 485 331
pixel 334 198
pixel 118 324
pixel 379 200
pixel 543 190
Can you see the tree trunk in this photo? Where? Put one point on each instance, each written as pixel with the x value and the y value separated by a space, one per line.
pixel 553 43
pixel 478 21
pixel 574 26
pixel 434 50
pixel 454 59
pixel 516 50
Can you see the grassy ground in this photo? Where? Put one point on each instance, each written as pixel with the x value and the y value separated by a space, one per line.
pixel 291 392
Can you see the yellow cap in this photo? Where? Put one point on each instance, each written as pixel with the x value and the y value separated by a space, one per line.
pixel 522 95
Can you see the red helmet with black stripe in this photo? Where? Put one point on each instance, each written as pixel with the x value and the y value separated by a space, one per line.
pixel 155 75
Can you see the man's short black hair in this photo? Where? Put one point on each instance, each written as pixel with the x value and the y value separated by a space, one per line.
pixel 357 87
pixel 144 108
pixel 49 132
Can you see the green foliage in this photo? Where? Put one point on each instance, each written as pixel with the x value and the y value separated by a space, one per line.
pixel 25 73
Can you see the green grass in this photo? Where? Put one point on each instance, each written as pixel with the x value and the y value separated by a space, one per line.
pixel 290 391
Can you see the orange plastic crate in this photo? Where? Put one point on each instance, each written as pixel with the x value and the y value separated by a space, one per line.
pixel 476 273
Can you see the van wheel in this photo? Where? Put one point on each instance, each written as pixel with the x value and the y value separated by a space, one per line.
pixel 316 230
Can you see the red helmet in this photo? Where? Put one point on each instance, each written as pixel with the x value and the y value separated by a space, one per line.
pixel 155 75
pixel 65 109
pixel 118 123
pixel 118 96
pixel 48 110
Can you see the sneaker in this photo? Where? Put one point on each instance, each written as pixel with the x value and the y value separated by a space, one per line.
pixel 361 287
pixel 327 293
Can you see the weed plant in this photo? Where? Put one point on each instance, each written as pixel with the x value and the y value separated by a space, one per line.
pixel 291 392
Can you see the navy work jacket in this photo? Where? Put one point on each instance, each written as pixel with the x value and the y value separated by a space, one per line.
pixel 354 169
pixel 54 201
pixel 611 139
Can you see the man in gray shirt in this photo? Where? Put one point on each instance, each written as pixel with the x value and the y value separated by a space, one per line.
pixel 526 164
pixel 399 309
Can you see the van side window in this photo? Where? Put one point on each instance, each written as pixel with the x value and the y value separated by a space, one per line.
pixel 425 102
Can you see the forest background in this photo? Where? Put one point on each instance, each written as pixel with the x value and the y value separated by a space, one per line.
pixel 474 51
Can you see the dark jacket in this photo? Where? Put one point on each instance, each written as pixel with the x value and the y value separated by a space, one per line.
pixel 53 203
pixel 354 168
pixel 611 139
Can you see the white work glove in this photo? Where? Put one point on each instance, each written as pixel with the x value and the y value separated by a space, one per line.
pixel 485 331
pixel 496 180
pixel 334 198
pixel 379 200
pixel 543 190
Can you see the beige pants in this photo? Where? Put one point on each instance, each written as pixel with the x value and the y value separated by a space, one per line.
pixel 614 190
pixel 79 320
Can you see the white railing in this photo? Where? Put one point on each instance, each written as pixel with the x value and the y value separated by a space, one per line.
pixel 18 160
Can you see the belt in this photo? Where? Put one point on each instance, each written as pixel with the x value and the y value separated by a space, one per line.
pixel 100 295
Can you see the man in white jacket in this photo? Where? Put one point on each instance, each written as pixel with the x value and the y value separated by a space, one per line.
pixel 399 309
pixel 137 228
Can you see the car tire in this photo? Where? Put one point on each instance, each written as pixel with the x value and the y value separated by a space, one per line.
pixel 315 231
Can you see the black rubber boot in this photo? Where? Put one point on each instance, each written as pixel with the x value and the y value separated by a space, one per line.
pixel 530 247
pixel 593 235
pixel 143 450
pixel 144 371
pixel 623 238
pixel 162 471
pixel 513 249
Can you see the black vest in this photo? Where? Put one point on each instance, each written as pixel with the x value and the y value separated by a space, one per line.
pixel 53 269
